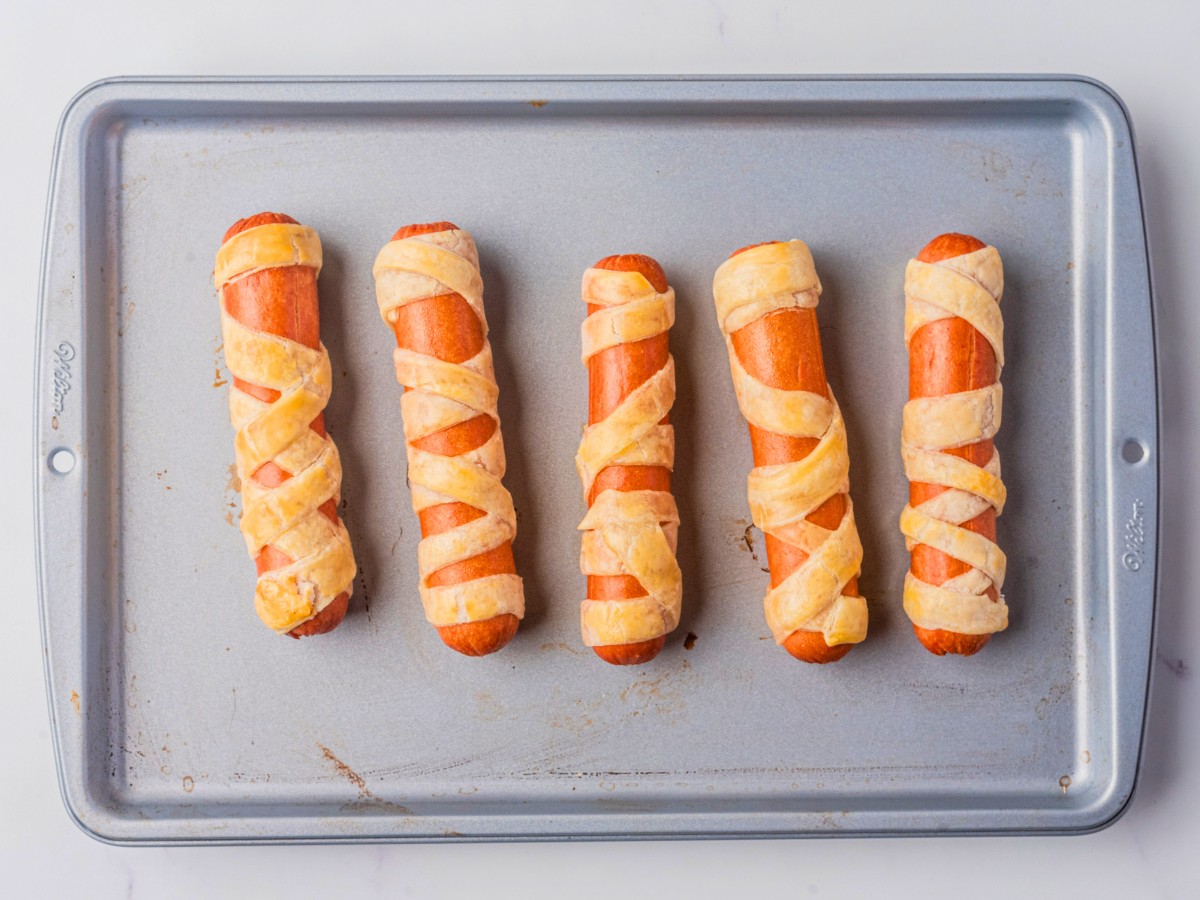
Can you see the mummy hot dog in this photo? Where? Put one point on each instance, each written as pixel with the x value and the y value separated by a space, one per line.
pixel 634 585
pixel 430 294
pixel 266 272
pixel 766 297
pixel 955 337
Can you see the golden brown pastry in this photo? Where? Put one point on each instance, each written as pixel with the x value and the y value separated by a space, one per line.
pixel 634 585
pixel 266 272
pixel 955 337
pixel 431 295
pixel 766 296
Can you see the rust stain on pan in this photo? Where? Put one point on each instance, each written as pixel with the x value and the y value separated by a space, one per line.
pixel 346 772
pixel 365 797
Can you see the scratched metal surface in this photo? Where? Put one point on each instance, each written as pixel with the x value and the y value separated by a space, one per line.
pixel 179 718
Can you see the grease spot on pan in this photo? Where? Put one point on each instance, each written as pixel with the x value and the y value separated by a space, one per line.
pixel 560 645
pixel 123 322
pixel 488 708
pixel 1177 666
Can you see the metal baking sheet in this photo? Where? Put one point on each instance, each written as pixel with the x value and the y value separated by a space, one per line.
pixel 178 718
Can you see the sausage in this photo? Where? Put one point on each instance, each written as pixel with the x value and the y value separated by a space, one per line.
pixel 950 356
pixel 614 372
pixel 445 326
pixel 782 349
pixel 282 300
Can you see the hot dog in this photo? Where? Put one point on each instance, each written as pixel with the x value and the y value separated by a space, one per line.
pixel 266 273
pixel 955 344
pixel 634 585
pixel 430 294
pixel 766 295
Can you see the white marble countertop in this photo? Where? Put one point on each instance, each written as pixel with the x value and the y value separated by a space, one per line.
pixel 1147 51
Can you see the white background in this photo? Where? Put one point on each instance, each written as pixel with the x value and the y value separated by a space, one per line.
pixel 1148 51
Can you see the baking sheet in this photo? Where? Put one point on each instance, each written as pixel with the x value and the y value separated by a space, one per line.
pixel 178 718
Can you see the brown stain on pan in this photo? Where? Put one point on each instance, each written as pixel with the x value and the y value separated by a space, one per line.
pixel 560 645
pixel 365 797
pixel 346 772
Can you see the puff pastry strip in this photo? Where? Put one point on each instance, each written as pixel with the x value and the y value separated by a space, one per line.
pixel 751 284
pixel 629 532
pixel 288 515
pixel 438 395
pixel 968 286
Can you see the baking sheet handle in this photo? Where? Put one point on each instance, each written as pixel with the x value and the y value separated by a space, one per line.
pixel 62 398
